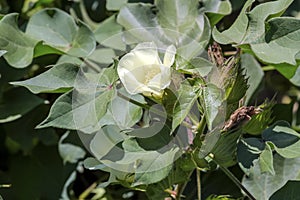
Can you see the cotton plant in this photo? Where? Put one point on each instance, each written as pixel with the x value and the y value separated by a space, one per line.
pixel 158 101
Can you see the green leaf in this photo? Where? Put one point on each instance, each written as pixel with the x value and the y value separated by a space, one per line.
pixel 109 34
pixel 291 151
pixel 16 102
pixel 28 137
pixel 249 149
pixel 262 186
pixel 83 107
pixel 213 105
pixel 123 113
pixel 280 43
pixel 260 14
pixel 216 10
pixel 210 140
pixel 59 30
pixel 236 88
pixel 281 135
pixel 260 121
pixel 237 31
pixel 196 65
pixel 102 56
pixel 176 15
pixel 47 176
pixel 185 100
pixel 296 78
pixel 253 72
pixel 266 160
pixel 225 149
pixel 18 45
pixel 60 78
pixel 177 22
pixel 283 112
pixel 69 152
pixel 290 191
pixel 105 140
pixel 151 166
pixel 115 5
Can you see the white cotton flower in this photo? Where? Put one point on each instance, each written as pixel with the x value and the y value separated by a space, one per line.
pixel 142 71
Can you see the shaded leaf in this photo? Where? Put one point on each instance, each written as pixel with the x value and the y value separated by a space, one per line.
pixel 281 135
pixel 290 191
pixel 28 137
pixel 225 149
pixel 249 149
pixel 16 102
pixel 47 176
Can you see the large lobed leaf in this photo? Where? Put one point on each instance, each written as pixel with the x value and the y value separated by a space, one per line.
pixel 18 46
pixel 262 186
pixel 58 29
pixel 271 38
pixel 83 107
pixel 176 22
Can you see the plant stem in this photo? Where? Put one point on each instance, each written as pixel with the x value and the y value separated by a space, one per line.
pixel 268 68
pixel 181 187
pixel 201 125
pixel 233 178
pixel 86 192
pixel 198 184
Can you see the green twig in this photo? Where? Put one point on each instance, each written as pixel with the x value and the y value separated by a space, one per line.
pixel 233 178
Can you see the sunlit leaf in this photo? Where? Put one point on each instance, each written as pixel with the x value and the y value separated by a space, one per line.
pixel 278 44
pixel 185 100
pixel 266 160
pixel 58 79
pixel 262 186
pixel 115 5
pixel 69 152
pixel 18 46
pixel 109 33
pixel 59 30
pixel 216 9
pixel 83 107
pixel 237 31
pixel 253 72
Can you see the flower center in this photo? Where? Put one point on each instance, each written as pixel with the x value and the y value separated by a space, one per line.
pixel 153 71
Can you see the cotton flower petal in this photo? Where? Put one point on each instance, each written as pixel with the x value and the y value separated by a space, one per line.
pixel 141 70
pixel 169 56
